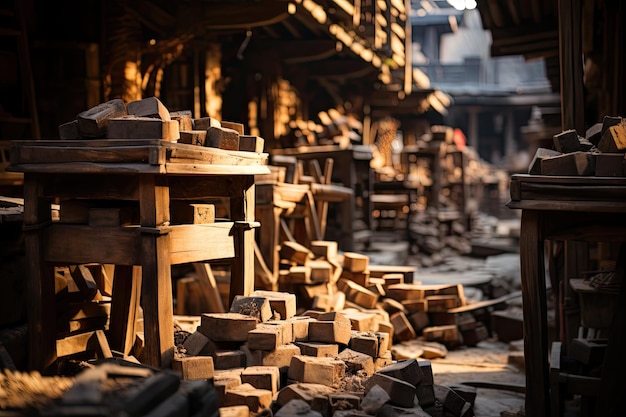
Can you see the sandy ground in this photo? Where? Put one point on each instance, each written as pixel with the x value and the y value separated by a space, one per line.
pixel 487 362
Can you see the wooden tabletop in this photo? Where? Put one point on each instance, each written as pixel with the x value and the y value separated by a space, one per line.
pixel 131 156
pixel 568 193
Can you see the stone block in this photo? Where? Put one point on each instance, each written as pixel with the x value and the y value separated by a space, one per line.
pixel 279 357
pixel 184 119
pixel 321 271
pixel 266 337
pixel 406 291
pixel 203 123
pixel 610 165
pixel 192 137
pixel 357 293
pixel 383 361
pixel 361 320
pixel 575 164
pixel 452 401
pixel 541 153
pixel 364 342
pixel 362 277
pixel 566 141
pixel 326 249
pixel 407 370
pixel 295 252
pixel 425 395
pixel 329 302
pixel 303 391
pixel 234 411
pixel 237 127
pixel 222 138
pixel 300 327
pixel 374 400
pixel 419 320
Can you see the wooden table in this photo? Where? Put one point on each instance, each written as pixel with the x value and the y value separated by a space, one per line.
pixel 560 208
pixel 352 170
pixel 149 174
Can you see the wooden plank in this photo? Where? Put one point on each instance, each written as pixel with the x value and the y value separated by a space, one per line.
pixel 208 286
pixel 78 244
pixel 59 154
pixel 124 307
pixel 192 243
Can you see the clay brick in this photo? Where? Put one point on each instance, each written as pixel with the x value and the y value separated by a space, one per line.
pixel 262 377
pixel 279 357
pixel 326 249
pixel 330 332
pixel 362 321
pixel 452 401
pixel 283 303
pixel 246 394
pixel 184 119
pixel 406 291
pixel 149 107
pixel 321 271
pixel 228 327
pixel 229 359
pixel 238 127
pixel 193 368
pixel 442 302
pixel 135 127
pixel 419 321
pixel 298 408
pixel 541 153
pixel 318 350
pixel 302 391
pixel 364 342
pixel 295 252
pixel 92 123
pixel 403 330
pixel 383 361
pixel 328 302
pixel 610 165
pixel 222 138
pixel 192 137
pixel 425 395
pixel 355 262
pixel 407 370
pixel 234 411
pixel 265 337
pixel 69 130
pixel 300 327
pixel 203 123
pixel 375 399
pixel 448 335
pixel 566 141
pixel 249 143
pixel 225 380
pixel 357 361
pixel 327 371
pixel 258 307
pixel 575 163
pixel 401 393
pixel 358 294
pixel 362 277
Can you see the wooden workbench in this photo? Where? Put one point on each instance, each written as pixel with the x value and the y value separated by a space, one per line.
pixel 565 209
pixel 151 174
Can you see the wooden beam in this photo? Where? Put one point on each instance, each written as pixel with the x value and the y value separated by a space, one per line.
pixel 297 52
pixel 572 85
pixel 216 16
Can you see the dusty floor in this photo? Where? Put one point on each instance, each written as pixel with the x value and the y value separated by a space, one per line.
pixel 487 362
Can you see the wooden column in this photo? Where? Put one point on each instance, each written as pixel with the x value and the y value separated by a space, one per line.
pixel 242 213
pixel 571 62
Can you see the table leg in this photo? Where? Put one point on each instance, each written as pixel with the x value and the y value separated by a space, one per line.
pixel 535 314
pixel 242 213
pixel 40 279
pixel 124 305
pixel 156 285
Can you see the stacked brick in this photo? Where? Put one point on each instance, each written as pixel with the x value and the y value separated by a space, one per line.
pixel 149 118
pixel 599 153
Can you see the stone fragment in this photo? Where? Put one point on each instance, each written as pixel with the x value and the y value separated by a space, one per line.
pixel 357 361
pixel 374 400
